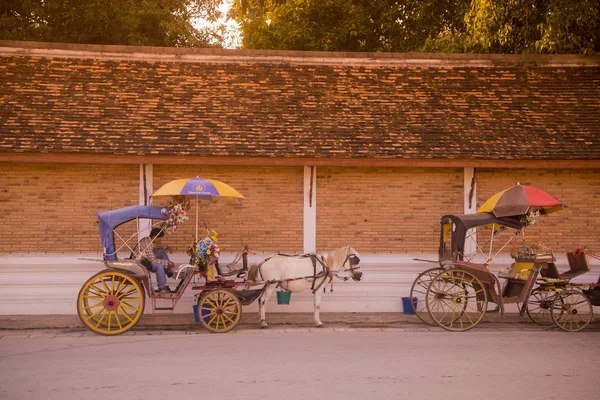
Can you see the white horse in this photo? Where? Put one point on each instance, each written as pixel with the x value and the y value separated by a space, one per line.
pixel 310 271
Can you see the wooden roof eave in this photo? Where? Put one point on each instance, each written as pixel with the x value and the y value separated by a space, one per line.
pixel 79 158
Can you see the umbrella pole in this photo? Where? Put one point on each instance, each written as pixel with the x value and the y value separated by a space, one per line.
pixel 196 219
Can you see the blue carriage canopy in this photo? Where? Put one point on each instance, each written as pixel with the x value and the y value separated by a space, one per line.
pixel 455 226
pixel 110 220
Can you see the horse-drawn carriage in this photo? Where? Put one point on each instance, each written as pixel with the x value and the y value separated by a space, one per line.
pixel 113 300
pixel 455 294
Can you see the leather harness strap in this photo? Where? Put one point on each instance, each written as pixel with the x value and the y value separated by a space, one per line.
pixel 314 258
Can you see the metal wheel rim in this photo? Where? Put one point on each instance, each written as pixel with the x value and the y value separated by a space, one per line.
pixel 110 302
pixel 456 300
pixel 419 290
pixel 572 310
pixel 539 307
pixel 219 310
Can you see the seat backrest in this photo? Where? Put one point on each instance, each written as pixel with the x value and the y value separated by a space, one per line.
pixel 579 266
pixel 550 271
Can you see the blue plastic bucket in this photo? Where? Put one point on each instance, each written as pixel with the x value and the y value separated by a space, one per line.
pixel 407 307
pixel 196 316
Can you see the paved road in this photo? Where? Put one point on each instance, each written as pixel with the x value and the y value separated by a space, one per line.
pixel 503 362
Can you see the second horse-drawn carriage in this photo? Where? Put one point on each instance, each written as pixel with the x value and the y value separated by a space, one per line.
pixel 455 294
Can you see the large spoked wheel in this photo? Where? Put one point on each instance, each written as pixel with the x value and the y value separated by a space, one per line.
pixel 220 310
pixel 110 302
pixel 456 300
pixel 539 306
pixel 418 290
pixel 572 310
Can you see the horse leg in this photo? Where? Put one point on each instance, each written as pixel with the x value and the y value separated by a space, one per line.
pixel 317 302
pixel 262 303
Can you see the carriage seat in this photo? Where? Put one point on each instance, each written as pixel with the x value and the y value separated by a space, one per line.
pixel 550 271
pixel 578 266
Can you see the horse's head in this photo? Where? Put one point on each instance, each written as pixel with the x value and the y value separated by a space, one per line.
pixel 351 264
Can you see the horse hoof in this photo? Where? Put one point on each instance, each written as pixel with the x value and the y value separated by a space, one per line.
pixel 321 326
pixel 264 326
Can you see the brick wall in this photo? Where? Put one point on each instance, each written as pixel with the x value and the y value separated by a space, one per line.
pixel 385 210
pixel 270 218
pixel 51 208
pixel 576 226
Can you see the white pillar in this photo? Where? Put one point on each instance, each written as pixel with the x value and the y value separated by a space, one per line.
pixel 310 209
pixel 470 202
pixel 146 178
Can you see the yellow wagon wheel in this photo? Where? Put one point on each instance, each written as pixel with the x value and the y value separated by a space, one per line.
pixel 418 290
pixel 539 306
pixel 220 310
pixel 456 300
pixel 572 310
pixel 110 302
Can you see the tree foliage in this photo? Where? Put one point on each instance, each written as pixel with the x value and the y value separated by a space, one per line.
pixel 344 25
pixel 486 26
pixel 125 22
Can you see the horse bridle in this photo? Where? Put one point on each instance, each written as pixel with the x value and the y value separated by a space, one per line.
pixel 354 260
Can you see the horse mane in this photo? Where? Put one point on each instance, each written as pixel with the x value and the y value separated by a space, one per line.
pixel 335 258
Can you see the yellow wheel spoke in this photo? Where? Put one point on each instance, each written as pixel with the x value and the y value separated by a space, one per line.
pixel 108 291
pixel 88 307
pixel 225 316
pixel 121 282
pixel 99 298
pixel 124 304
pixel 133 289
pixel 118 319
pixel 95 314
pixel 124 313
pixel 108 320
pixel 100 320
pixel 98 291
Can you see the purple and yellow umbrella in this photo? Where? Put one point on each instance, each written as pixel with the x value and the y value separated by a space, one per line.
pixel 201 189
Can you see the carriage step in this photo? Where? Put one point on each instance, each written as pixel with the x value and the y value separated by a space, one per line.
pixel 164 308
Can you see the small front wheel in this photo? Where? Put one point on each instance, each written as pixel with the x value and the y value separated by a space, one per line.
pixel 572 310
pixel 220 310
pixel 539 306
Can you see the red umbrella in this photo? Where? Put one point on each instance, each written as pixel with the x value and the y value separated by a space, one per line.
pixel 519 200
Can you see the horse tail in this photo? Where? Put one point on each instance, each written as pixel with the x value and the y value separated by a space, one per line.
pixel 255 269
pixel 253 272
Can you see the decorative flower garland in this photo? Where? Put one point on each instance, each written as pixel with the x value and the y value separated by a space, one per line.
pixel 176 213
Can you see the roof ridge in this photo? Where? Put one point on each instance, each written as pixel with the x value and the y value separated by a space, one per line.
pixel 235 56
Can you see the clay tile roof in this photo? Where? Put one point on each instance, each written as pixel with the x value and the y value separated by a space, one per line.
pixel 177 102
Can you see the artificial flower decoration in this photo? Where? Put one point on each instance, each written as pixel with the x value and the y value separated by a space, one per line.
pixel 205 254
pixel 176 213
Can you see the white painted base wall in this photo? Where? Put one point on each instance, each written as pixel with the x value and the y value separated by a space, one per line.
pixel 49 284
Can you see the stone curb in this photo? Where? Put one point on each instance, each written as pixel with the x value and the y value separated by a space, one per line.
pixel 17 322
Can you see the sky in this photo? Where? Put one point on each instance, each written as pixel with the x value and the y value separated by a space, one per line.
pixel 232 37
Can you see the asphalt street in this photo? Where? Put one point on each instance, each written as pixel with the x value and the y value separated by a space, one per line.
pixel 287 362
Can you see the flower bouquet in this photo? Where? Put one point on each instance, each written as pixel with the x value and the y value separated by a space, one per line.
pixel 205 254
pixel 176 213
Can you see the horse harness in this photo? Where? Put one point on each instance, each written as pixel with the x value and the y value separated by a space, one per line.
pixel 314 258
